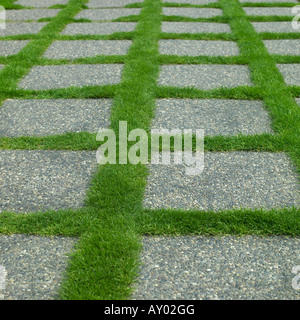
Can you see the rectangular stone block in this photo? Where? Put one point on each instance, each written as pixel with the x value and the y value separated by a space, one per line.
pixel 111 3
pixel 40 4
pixel 30 14
pixel 192 12
pixel 278 27
pixel 283 47
pixel 269 11
pixel 87 48
pixel 107 14
pixel 51 117
pixel 194 27
pixel 63 76
pixel 8 48
pixel 204 77
pixel 17 28
pixel 195 2
pixel 291 73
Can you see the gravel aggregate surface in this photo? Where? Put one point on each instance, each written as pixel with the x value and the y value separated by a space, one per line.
pixel 269 11
pixel 107 14
pixel 278 26
pixel 63 76
pixel 196 2
pixel 291 73
pixel 40 4
pixel 50 117
pixel 111 3
pixel 283 47
pixel 41 180
pixel 11 47
pixel 30 14
pixel 34 265
pixel 16 28
pixel 87 48
pixel 192 12
pixel 218 268
pixel 194 27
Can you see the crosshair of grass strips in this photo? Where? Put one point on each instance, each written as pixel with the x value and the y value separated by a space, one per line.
pixel 105 264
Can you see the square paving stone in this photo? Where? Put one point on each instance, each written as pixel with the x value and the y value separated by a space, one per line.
pixel 8 48
pixel 51 77
pixel 99 28
pixel 41 3
pixel 217 268
pixel 283 47
pixel 34 265
pixel 40 180
pixel 111 3
pixel 196 2
pixel 198 48
pixel 229 180
pixel 107 14
pixel 194 27
pixel 204 77
pixel 30 14
pixel 17 28
pixel 216 117
pixel 87 48
pixel 50 117
pixel 291 73
pixel 278 26
pixel 192 12
pixel 260 11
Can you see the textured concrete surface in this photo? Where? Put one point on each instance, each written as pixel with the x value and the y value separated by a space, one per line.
pixel 221 268
pixel 229 180
pixel 191 12
pixel 50 117
pixel 11 47
pixel 99 28
pixel 107 14
pixel 41 180
pixel 87 48
pixel 30 14
pixel 111 3
pixel 216 117
pixel 34 265
pixel 283 47
pixel 278 26
pixel 194 27
pixel 204 77
pixel 200 2
pixel 17 28
pixel 198 48
pixel 63 76
pixel 269 11
pixel 40 4
pixel 291 73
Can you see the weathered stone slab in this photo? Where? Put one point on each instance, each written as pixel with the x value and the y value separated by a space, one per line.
pixel 107 14
pixel 269 11
pixel 111 3
pixel 17 28
pixel 192 12
pixel 283 47
pixel 40 4
pixel 194 27
pixel 291 73
pixel 30 14
pixel 278 27
pixel 8 48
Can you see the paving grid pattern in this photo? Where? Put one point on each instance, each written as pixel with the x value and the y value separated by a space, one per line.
pixel 30 14
pixel 99 28
pixel 291 73
pixel 269 11
pixel 194 27
pixel 277 26
pixel 86 48
pixel 49 116
pixel 198 48
pixel 216 117
pixel 19 28
pixel 283 47
pixel 35 265
pixel 204 77
pixel 111 3
pixel 192 12
pixel 107 14
pixel 63 76
pixel 41 180
pixel 218 268
pixel 40 4
pixel 11 47
pixel 229 180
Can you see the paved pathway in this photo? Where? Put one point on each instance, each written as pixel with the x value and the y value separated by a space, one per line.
pixel 173 268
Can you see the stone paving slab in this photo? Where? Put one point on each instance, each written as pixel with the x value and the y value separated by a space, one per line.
pixel 216 117
pixel 99 28
pixel 107 14
pixel 196 2
pixel 30 14
pixel 34 265
pixel 194 27
pixel 221 268
pixel 41 180
pixel 18 28
pixel 283 47
pixel 269 1
pixel 40 4
pixel 8 48
pixel 192 12
pixel 87 48
pixel 291 73
pixel 111 3
pixel 278 26
pixel 198 48
pixel 50 117
pixel 229 180
pixel 204 77
pixel 63 76
pixel 269 11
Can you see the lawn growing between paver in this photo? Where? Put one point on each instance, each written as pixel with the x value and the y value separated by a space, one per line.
pixel 113 219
